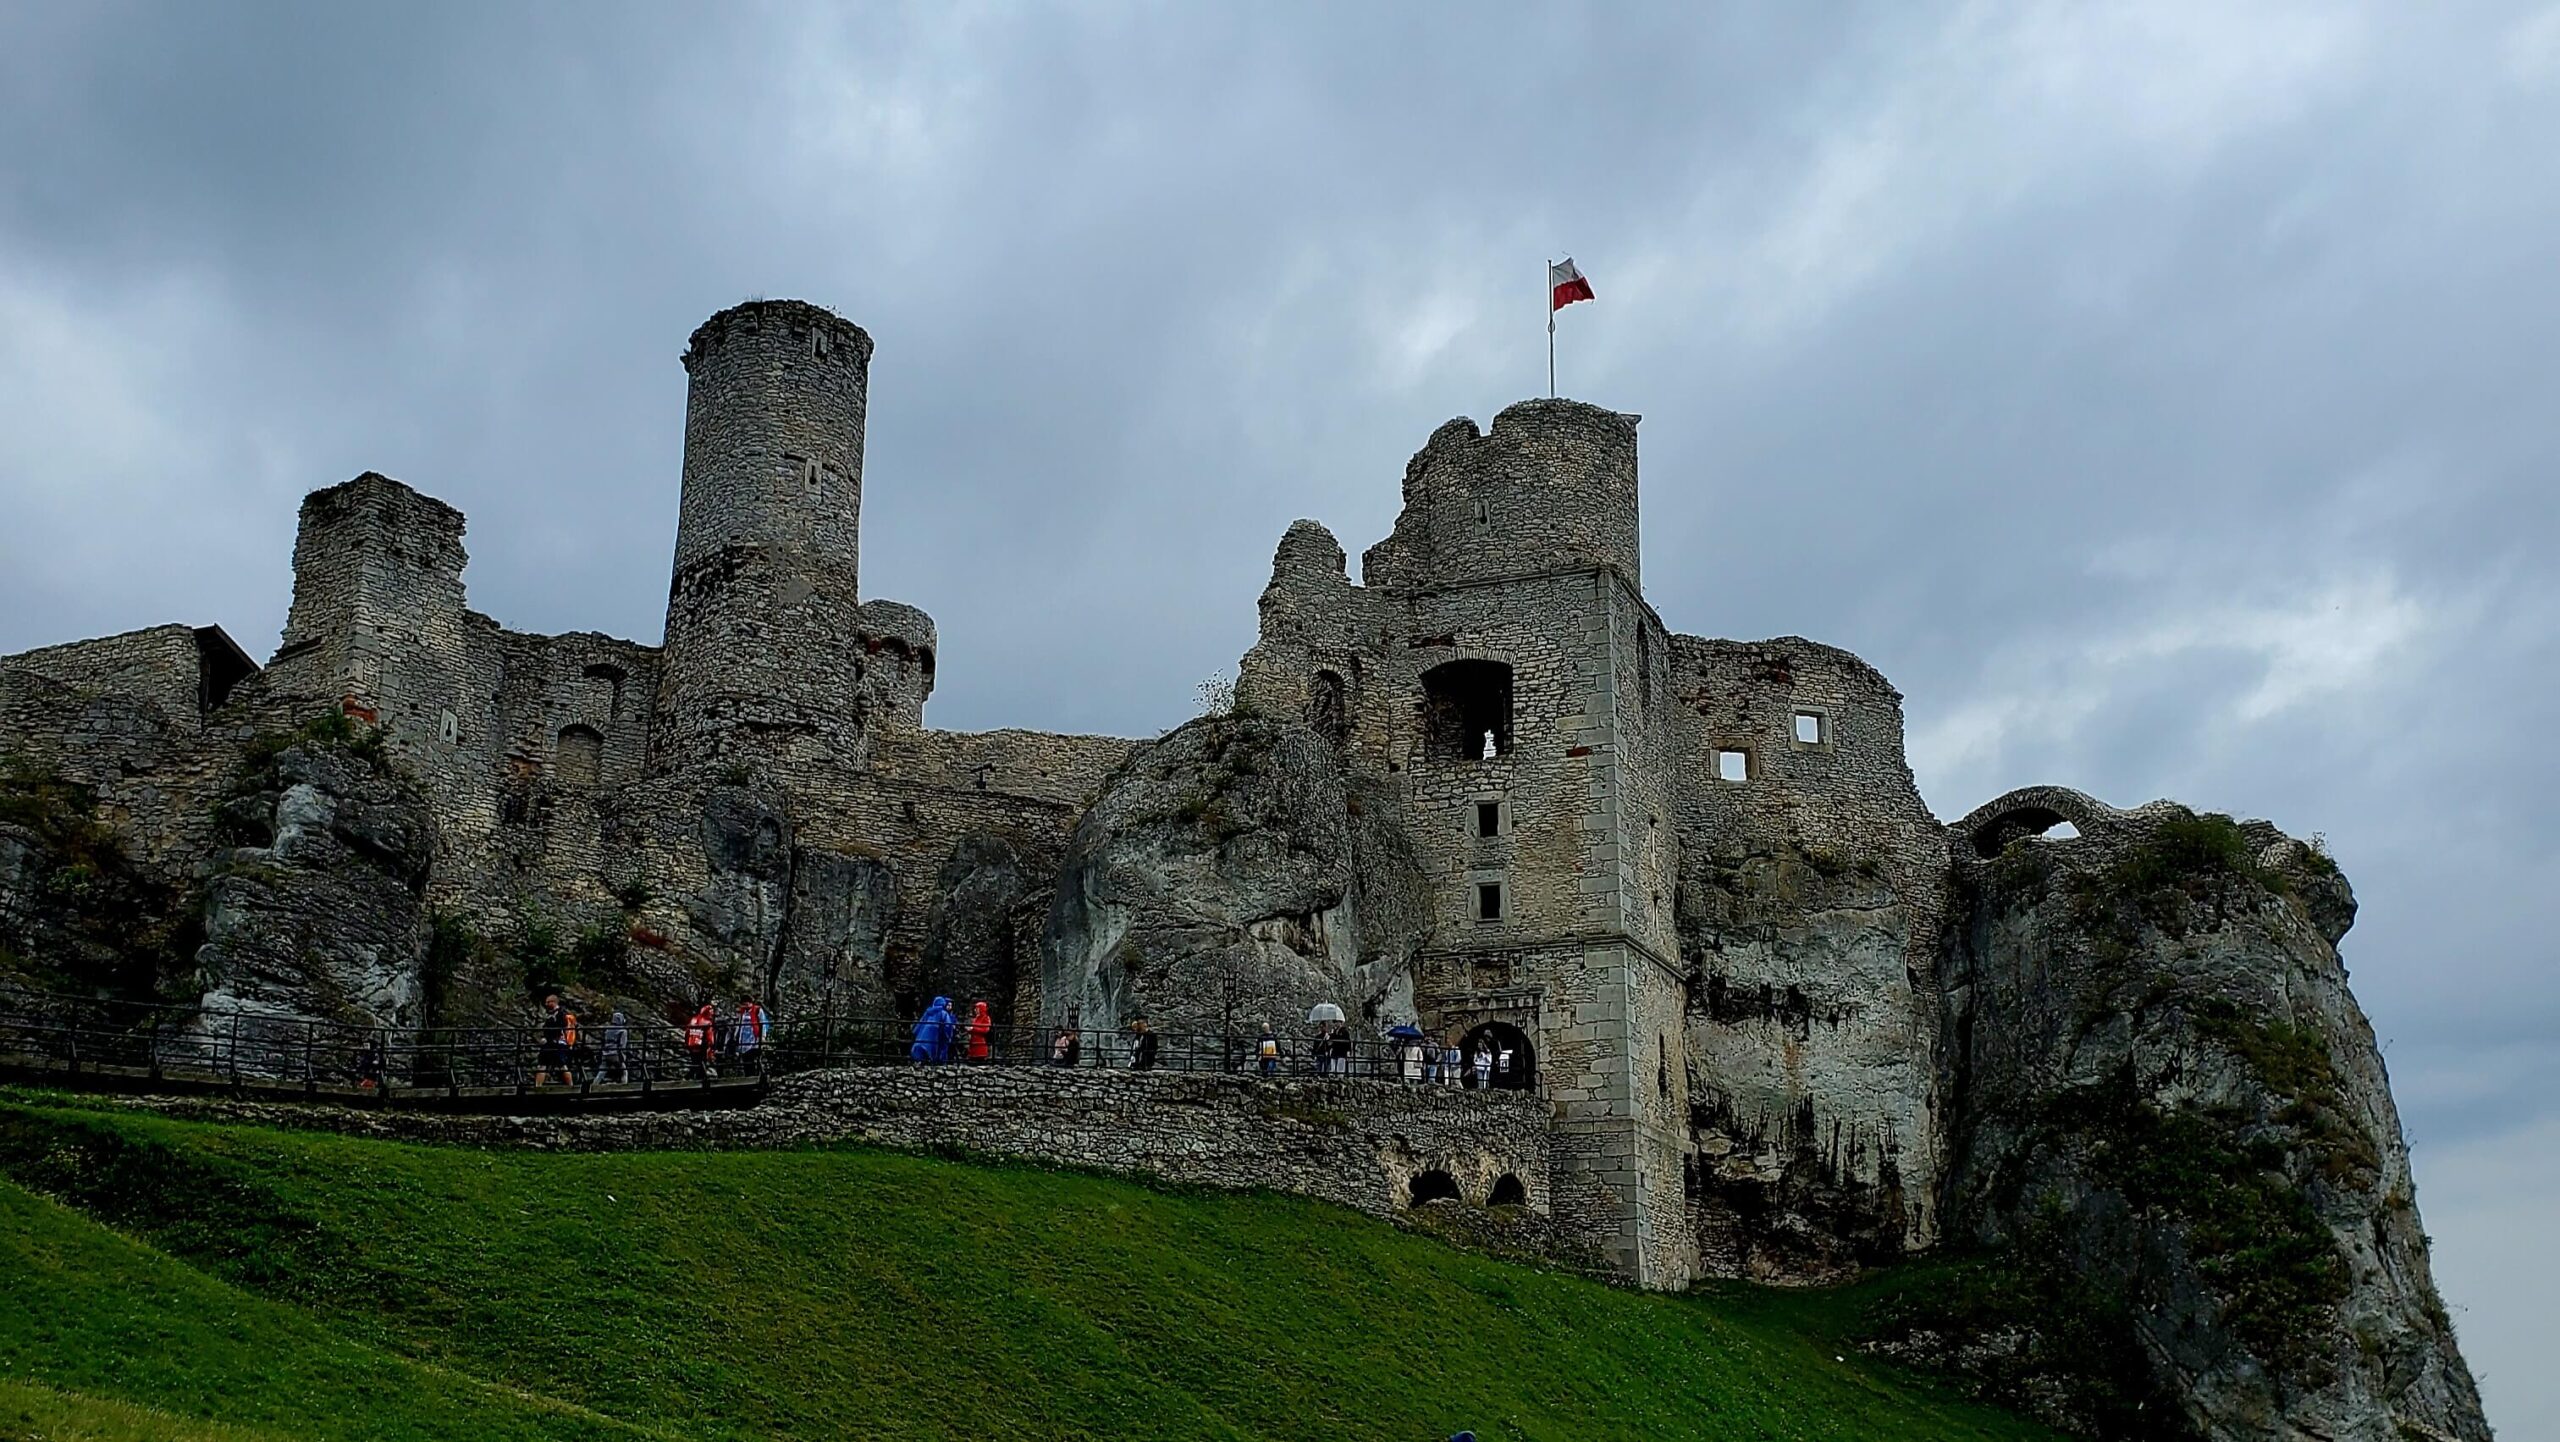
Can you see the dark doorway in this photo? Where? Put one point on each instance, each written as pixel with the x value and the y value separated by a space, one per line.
pixel 1502 1039
pixel 1434 1187
pixel 1508 1191
pixel 1466 710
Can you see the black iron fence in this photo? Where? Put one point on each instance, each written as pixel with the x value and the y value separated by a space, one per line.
pixel 71 1036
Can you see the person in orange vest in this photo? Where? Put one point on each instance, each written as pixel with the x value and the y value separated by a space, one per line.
pixel 697 1040
pixel 559 1033
pixel 981 1025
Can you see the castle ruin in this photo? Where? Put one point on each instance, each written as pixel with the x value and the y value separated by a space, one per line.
pixel 1689 882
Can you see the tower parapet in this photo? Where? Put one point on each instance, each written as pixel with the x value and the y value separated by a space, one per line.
pixel 1550 487
pixel 763 601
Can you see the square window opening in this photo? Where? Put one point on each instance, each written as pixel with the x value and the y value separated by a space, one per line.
pixel 1812 728
pixel 1733 765
pixel 1488 901
pixel 1488 818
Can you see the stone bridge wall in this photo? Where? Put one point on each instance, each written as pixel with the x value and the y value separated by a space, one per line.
pixel 1358 1144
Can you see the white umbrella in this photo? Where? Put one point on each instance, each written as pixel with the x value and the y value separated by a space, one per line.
pixel 1324 1011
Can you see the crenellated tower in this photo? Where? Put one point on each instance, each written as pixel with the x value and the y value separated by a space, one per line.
pixel 763 606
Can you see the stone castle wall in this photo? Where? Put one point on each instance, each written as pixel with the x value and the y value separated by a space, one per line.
pixel 1812 901
pixel 1357 1144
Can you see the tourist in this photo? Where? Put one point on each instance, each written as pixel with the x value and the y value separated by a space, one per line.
pixel 1453 1062
pixel 1431 1066
pixel 559 1033
pixel 933 1034
pixel 1142 1046
pixel 982 1025
pixel 698 1035
pixel 1339 1048
pixel 751 1029
pixel 1483 1065
pixel 1502 1066
pixel 1067 1047
pixel 1268 1051
pixel 617 1050
pixel 369 1063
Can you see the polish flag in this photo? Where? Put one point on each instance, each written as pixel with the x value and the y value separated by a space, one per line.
pixel 1568 284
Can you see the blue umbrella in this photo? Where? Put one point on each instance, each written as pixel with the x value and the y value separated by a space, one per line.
pixel 1405 1031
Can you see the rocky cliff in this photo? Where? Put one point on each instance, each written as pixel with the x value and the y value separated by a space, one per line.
pixel 2172 1137
pixel 1232 874
pixel 316 908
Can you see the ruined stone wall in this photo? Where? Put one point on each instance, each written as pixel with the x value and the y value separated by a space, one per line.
pixel 1357 1144
pixel 163 665
pixel 1811 905
pixel 1320 632
pixel 155 777
pixel 1044 766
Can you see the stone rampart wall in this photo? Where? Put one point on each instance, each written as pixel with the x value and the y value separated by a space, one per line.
pixel 1357 1144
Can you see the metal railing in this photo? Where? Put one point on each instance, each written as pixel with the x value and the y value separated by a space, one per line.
pixel 72 1037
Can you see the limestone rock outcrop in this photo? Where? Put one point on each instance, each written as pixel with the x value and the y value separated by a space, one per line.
pixel 2168 1105
pixel 320 912
pixel 1211 888
pixel 1809 1090
pixel 75 910
pixel 975 947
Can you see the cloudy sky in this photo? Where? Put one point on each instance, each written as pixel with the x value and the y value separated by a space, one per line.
pixel 2162 395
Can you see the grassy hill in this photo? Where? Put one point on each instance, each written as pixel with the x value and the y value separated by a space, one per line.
pixel 176 1280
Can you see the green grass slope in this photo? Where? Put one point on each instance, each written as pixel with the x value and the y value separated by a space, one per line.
pixel 306 1285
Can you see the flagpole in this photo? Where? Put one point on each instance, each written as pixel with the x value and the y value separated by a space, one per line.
pixel 1551 330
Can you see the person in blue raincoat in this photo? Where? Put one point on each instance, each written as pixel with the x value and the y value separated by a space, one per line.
pixel 933 1034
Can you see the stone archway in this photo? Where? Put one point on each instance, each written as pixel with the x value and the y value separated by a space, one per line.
pixel 1522 1072
pixel 1432 1186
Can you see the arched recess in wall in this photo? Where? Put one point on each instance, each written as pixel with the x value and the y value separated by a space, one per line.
pixel 1432 1186
pixel 1508 1191
pixel 612 676
pixel 579 757
pixel 1328 711
pixel 1508 1045
pixel 1466 710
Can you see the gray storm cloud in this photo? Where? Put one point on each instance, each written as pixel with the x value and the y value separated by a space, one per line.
pixel 2159 394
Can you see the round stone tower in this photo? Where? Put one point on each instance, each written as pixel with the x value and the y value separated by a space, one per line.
pixel 762 617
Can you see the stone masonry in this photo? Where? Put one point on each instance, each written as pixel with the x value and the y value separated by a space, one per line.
pixel 1686 888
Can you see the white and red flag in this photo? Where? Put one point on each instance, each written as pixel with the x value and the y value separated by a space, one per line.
pixel 1567 284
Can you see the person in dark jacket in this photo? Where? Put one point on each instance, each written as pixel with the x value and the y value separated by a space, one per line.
pixel 553 1059
pixel 1142 1046
pixel 369 1063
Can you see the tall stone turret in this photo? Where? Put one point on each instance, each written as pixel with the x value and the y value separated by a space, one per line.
pixel 1550 487
pixel 763 612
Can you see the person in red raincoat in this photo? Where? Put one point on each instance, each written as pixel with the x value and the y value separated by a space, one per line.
pixel 981 1025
